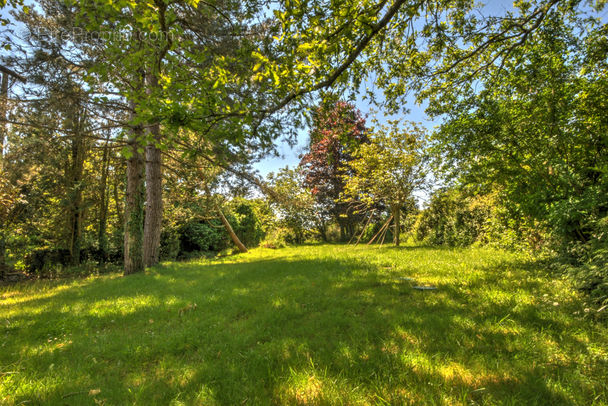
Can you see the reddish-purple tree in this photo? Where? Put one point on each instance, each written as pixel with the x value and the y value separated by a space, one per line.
pixel 336 131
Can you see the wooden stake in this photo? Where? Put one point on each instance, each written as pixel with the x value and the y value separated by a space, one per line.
pixel 382 228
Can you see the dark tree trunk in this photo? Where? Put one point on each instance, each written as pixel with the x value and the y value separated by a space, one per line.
pixel 154 202
pixel 75 189
pixel 134 210
pixel 322 229
pixel 154 189
pixel 3 113
pixel 397 224
pixel 102 237
pixel 118 202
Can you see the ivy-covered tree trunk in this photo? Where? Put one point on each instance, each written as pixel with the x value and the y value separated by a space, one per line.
pixel 75 189
pixel 118 201
pixel 134 210
pixel 154 190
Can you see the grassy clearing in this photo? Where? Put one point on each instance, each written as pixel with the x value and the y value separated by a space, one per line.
pixel 308 325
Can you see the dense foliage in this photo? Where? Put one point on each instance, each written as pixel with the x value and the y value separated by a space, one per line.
pixel 536 131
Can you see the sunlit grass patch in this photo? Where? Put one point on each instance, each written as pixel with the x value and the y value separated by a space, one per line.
pixel 321 324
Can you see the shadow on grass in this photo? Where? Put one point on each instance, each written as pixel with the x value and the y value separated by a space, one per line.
pixel 291 330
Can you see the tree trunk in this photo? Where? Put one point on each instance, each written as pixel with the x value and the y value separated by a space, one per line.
pixel 117 201
pixel 75 188
pixel 397 225
pixel 102 238
pixel 134 210
pixel 3 266
pixel 233 236
pixel 322 229
pixel 3 114
pixel 3 130
pixel 154 190
pixel 154 202
pixel 3 136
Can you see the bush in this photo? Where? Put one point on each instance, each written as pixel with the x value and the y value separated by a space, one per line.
pixel 246 224
pixel 453 219
pixel 592 276
pixel 92 254
pixel 169 244
pixel 588 263
pixel 200 236
pixel 278 238
pixel 332 233
pixel 42 260
pixel 372 230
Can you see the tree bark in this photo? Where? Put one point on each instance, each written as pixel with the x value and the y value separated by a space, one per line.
pixel 342 232
pixel 233 236
pixel 397 225
pixel 154 190
pixel 3 266
pixel 75 187
pixel 118 202
pixel 3 113
pixel 323 232
pixel 154 202
pixel 102 238
pixel 134 210
pixel 3 130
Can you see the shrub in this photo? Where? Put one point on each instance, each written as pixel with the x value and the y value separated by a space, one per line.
pixel 453 219
pixel 278 238
pixel 246 224
pixel 92 254
pixel 169 244
pixel 41 260
pixel 201 236
pixel 332 233
pixel 588 262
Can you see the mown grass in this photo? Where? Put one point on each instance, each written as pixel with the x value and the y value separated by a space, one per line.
pixel 306 325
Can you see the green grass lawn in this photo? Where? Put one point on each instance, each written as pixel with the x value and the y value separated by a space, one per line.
pixel 306 325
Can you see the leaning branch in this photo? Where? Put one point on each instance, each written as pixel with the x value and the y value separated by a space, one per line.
pixel 352 57
pixel 12 73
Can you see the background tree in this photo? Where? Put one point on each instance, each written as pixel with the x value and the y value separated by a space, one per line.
pixel 388 170
pixel 337 130
pixel 295 208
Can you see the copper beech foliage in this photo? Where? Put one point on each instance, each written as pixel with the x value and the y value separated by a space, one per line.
pixel 337 130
